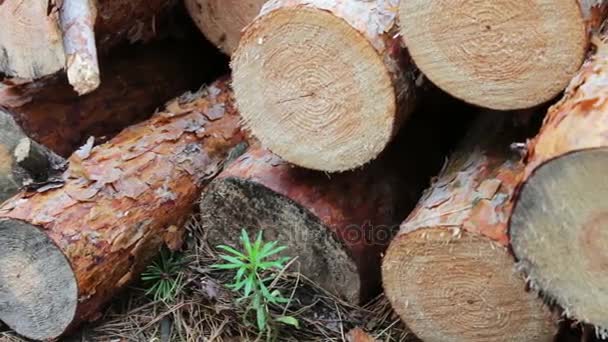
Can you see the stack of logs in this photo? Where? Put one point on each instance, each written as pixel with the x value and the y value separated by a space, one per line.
pixel 346 122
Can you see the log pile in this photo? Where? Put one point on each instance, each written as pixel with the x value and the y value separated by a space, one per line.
pixel 346 119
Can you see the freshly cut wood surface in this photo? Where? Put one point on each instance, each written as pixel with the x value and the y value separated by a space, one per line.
pixel 325 85
pixel 501 54
pixel 222 21
pixel 557 226
pixel 448 273
pixel 137 81
pixel 66 251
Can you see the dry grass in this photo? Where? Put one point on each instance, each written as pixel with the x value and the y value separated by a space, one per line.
pixel 206 311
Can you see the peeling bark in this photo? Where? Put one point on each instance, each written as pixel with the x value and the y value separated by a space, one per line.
pixel 448 273
pixel 111 215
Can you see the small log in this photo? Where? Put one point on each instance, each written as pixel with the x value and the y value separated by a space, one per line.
pixel 65 252
pixel 448 273
pixel 324 84
pixel 500 54
pixel 561 210
pixel 23 161
pixel 222 21
pixel 41 37
pixel 137 81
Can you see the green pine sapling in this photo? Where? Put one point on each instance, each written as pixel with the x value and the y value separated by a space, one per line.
pixel 254 269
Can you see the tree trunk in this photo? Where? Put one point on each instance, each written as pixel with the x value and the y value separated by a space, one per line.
pixel 562 207
pixel 337 226
pixel 500 54
pixel 335 81
pixel 23 162
pixel 448 273
pixel 137 81
pixel 41 37
pixel 65 252
pixel 222 21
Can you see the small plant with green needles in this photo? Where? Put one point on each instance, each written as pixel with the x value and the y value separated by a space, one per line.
pixel 256 267
pixel 164 276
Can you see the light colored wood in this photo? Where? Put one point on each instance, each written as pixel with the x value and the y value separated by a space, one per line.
pixel 41 37
pixel 324 84
pixel 77 21
pixel 557 226
pixel 448 273
pixel 500 54
pixel 222 21
pixel 118 202
pixel 31 43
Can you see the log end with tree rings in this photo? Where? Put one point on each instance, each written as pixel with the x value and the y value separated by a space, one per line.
pixel 318 90
pixel 503 54
pixel 558 231
pixel 36 283
pixel 459 286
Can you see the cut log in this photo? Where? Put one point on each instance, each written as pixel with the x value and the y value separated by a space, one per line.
pixel 558 224
pixel 222 21
pixel 504 54
pixel 137 81
pixel 324 84
pixel 65 252
pixel 337 226
pixel 23 162
pixel 40 38
pixel 448 273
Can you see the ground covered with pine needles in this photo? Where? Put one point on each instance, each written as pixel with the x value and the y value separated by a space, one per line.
pixel 198 306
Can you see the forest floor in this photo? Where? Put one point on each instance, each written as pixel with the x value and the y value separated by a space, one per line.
pixel 202 308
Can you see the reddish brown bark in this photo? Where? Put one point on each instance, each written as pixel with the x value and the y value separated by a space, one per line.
pixel 136 82
pixel 120 199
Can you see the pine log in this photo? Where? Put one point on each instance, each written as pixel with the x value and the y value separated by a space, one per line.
pixel 503 55
pixel 23 161
pixel 337 226
pixel 42 37
pixel 324 84
pixel 65 252
pixel 137 81
pixel 222 21
pixel 561 212
pixel 448 273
